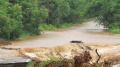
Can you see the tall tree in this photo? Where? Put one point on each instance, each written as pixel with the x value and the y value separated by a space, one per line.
pixel 32 16
pixel 10 20
pixel 57 10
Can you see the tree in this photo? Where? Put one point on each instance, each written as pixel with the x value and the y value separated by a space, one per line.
pixel 32 16
pixel 10 20
pixel 111 13
pixel 57 10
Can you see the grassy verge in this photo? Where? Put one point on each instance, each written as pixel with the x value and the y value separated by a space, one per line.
pixel 115 29
pixel 47 27
pixel 24 36
pixel 51 27
pixel 53 60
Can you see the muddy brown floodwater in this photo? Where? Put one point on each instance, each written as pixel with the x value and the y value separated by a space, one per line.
pixel 89 32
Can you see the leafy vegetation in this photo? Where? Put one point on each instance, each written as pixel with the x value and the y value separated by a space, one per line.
pixel 19 17
pixel 108 13
pixel 51 27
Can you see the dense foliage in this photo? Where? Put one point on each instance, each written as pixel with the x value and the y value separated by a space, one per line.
pixel 108 13
pixel 18 17
pixel 111 15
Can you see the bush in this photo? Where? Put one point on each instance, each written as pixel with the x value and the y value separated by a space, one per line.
pixel 115 29
pixel 19 17
pixel 10 21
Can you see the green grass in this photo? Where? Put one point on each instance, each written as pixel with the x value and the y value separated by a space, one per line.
pixel 51 27
pixel 23 36
pixel 43 63
pixel 52 60
pixel 115 29
pixel 47 27
pixel 31 64
pixel 65 25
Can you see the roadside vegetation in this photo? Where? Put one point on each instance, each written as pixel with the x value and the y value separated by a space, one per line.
pixel 51 27
pixel 20 18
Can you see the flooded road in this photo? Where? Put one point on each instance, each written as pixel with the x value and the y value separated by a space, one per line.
pixel 89 32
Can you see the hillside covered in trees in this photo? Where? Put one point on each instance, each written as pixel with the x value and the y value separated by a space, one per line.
pixel 20 17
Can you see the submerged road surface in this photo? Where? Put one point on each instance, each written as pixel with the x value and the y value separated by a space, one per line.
pixel 89 32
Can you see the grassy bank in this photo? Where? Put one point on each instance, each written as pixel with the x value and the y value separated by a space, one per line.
pixel 53 60
pixel 55 27
pixel 115 29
